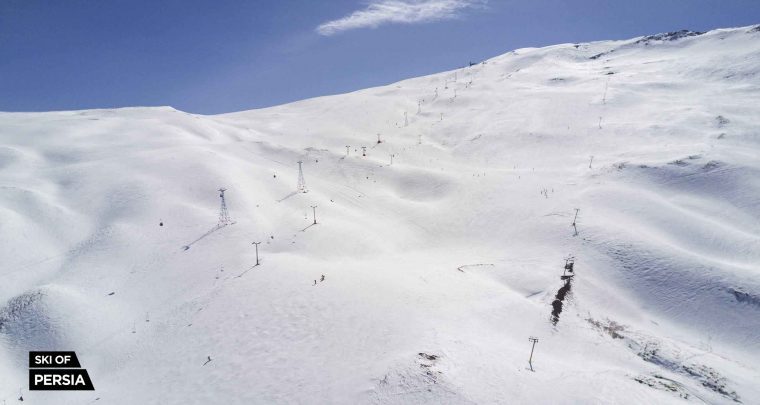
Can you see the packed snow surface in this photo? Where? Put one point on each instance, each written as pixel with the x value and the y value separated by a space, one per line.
pixel 442 247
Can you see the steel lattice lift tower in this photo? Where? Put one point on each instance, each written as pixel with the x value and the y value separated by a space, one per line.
pixel 224 215
pixel 301 181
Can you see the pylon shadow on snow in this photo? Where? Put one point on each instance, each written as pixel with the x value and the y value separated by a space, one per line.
pixel 287 196
pixel 304 229
pixel 212 230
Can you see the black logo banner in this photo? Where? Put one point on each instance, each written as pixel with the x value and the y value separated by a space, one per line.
pixel 57 371
pixel 53 360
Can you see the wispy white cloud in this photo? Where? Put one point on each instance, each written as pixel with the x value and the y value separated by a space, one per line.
pixel 381 12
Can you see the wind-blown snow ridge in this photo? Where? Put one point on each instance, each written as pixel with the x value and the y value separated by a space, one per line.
pixel 439 262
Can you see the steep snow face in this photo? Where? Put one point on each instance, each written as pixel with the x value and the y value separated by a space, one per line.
pixel 442 247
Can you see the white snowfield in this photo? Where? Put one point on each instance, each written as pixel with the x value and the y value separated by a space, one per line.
pixel 438 267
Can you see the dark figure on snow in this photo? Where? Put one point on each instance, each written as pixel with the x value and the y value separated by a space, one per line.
pixel 322 279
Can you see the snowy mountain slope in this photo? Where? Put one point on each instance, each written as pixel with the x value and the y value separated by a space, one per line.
pixel 438 267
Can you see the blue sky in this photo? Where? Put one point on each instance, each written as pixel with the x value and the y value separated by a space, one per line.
pixel 219 56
